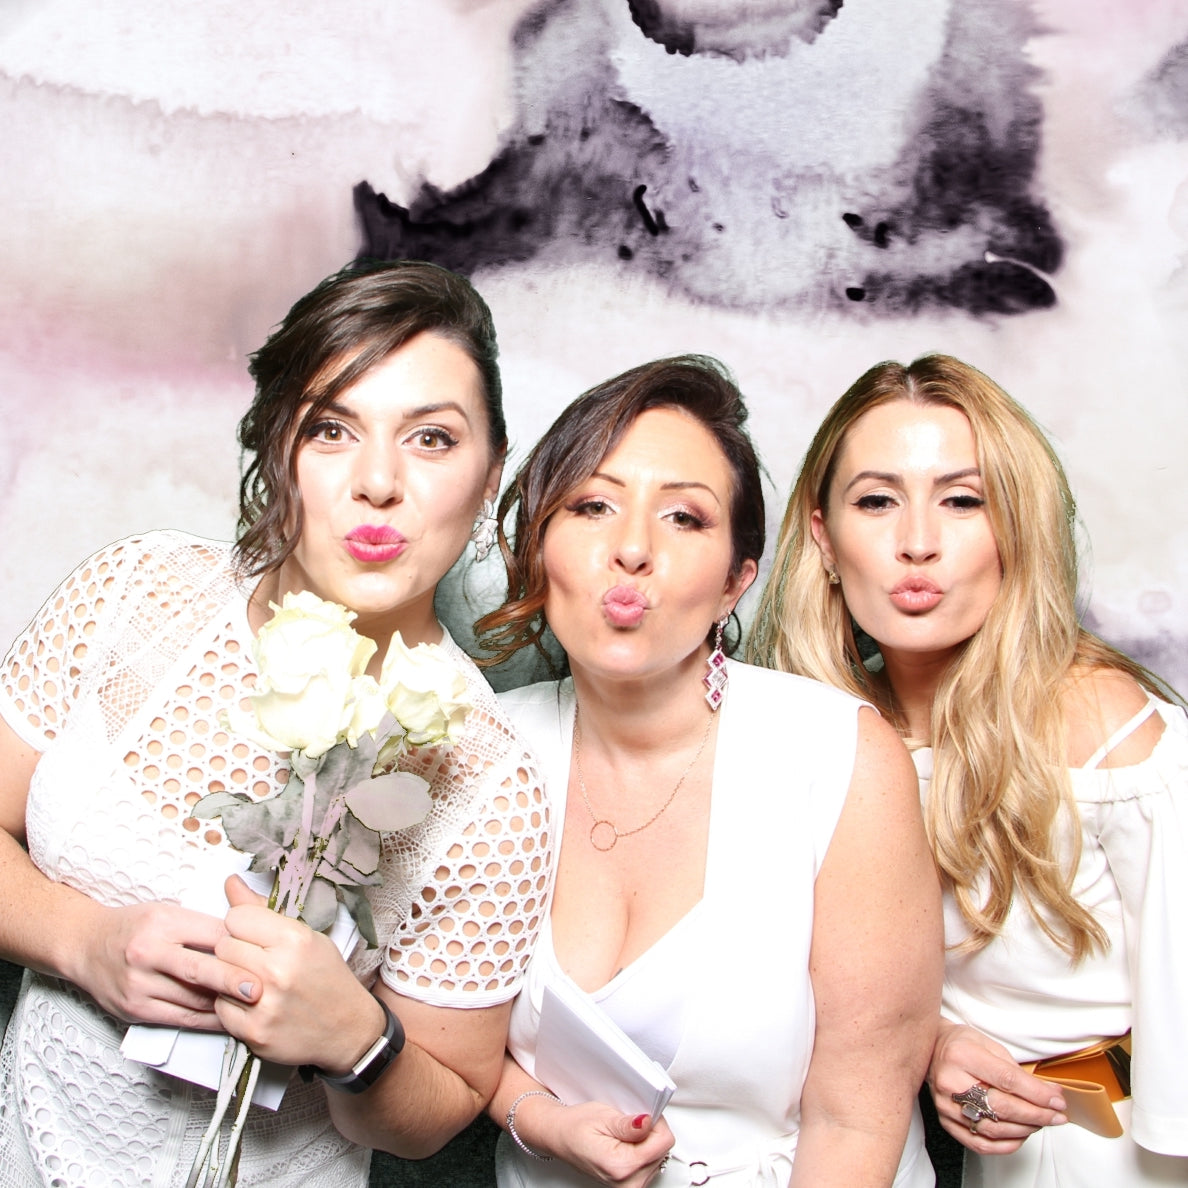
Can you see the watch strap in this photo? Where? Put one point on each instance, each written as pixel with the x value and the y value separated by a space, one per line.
pixel 371 1065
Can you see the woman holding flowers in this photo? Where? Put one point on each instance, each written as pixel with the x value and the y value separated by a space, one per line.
pixel 743 882
pixel 376 436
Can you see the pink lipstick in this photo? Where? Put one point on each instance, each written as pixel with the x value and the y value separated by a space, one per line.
pixel 916 595
pixel 624 606
pixel 375 543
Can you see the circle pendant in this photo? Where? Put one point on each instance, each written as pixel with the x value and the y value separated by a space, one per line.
pixel 603 836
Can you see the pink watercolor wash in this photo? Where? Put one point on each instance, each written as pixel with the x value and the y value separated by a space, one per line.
pixel 171 178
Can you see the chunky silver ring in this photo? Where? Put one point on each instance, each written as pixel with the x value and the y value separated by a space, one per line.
pixel 973 1128
pixel 975 1103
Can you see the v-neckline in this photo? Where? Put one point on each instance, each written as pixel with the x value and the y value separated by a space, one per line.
pixel 725 720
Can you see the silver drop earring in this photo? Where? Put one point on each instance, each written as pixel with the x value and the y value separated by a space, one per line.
pixel 484 532
pixel 717 678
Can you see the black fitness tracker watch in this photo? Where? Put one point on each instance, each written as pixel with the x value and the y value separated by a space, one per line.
pixel 371 1065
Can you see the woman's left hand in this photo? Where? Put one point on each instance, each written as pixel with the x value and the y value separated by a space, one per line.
pixel 311 1008
pixel 610 1147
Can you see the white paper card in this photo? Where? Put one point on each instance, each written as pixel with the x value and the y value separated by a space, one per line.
pixel 583 1055
pixel 197 1056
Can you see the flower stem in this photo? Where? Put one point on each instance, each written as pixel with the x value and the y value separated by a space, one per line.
pixel 206 1163
pixel 237 1079
pixel 296 863
pixel 243 1090
pixel 318 847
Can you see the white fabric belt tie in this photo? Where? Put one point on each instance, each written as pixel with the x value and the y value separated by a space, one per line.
pixel 770 1168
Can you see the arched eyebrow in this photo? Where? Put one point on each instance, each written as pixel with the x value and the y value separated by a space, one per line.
pixel 428 410
pixel 895 480
pixel 674 485
pixel 412 414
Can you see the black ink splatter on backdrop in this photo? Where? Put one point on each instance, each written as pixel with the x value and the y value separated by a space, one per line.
pixel 951 220
pixel 736 30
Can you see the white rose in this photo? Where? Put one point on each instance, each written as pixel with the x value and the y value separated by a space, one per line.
pixel 309 657
pixel 425 691
pixel 368 709
pixel 393 749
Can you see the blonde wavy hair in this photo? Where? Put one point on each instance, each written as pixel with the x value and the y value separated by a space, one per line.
pixel 998 730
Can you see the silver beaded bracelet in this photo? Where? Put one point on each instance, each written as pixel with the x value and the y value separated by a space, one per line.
pixel 511 1123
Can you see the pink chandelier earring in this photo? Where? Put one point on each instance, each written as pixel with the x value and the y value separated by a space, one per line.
pixel 717 678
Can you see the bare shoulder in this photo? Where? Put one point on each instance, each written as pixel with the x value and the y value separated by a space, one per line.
pixel 883 769
pixel 1100 701
pixel 878 738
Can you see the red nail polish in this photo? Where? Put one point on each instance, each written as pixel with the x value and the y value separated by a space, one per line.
pixel 637 1123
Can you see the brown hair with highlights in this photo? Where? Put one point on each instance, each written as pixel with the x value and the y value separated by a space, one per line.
pixel 571 450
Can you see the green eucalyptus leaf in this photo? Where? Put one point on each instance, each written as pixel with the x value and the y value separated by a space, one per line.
pixel 333 875
pixel 343 874
pixel 261 864
pixel 367 751
pixel 302 764
pixel 390 802
pixel 345 765
pixel 265 828
pixel 359 906
pixel 213 804
pixel 359 845
pixel 336 842
pixel 321 905
pixel 254 831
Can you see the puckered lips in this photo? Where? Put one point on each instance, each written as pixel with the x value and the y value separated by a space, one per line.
pixel 916 594
pixel 375 543
pixel 624 606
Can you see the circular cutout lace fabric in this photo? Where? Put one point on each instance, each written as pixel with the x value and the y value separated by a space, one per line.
pixel 120 681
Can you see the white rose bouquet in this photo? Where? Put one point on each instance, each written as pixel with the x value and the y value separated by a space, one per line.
pixel 344 733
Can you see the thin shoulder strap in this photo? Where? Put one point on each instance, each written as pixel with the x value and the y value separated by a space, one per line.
pixel 1123 731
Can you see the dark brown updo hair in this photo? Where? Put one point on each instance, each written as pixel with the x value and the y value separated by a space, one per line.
pixel 332 336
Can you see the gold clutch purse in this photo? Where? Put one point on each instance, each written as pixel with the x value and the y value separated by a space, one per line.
pixel 1092 1079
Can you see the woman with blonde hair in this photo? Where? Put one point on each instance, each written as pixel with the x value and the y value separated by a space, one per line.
pixel 926 563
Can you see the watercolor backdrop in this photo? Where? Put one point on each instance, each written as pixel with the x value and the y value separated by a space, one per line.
pixel 801 188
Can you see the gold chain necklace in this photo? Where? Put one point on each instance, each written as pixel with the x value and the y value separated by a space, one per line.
pixel 602 829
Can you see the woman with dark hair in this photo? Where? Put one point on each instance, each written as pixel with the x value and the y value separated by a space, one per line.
pixel 376 435
pixel 932 516
pixel 743 884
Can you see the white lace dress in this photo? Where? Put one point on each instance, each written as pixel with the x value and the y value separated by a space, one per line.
pixel 119 682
